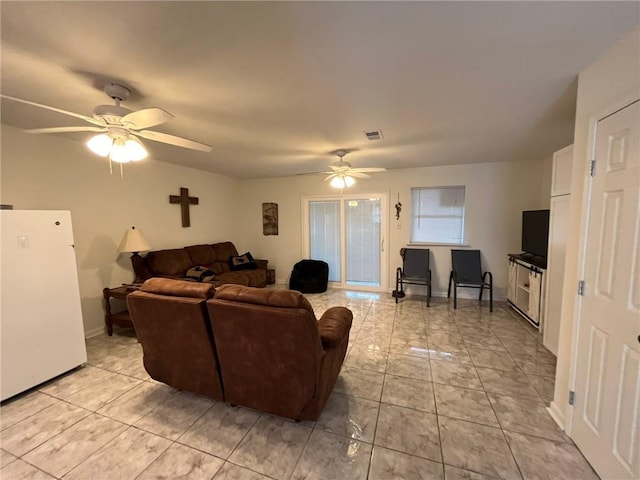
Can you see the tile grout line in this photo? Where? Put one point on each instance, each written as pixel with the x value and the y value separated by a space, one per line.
pixel 364 321
pixel 375 429
pixel 435 407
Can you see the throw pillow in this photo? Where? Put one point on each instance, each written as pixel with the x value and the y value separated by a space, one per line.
pixel 242 262
pixel 200 274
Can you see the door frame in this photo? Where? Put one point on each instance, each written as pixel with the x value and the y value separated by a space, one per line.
pixel 586 200
pixel 384 234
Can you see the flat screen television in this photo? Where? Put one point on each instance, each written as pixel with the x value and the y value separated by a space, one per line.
pixel 535 232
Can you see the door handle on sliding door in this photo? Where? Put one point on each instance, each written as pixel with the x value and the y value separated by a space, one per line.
pixel 382 245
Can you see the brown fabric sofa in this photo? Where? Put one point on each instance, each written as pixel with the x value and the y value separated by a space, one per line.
pixel 274 355
pixel 174 263
pixel 172 325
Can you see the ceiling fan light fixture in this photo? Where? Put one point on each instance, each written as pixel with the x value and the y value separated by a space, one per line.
pixel 100 144
pixel 118 148
pixel 342 181
pixel 349 181
pixel 135 149
pixel 119 152
pixel 337 182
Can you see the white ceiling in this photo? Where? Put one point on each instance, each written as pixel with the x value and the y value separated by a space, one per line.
pixel 276 86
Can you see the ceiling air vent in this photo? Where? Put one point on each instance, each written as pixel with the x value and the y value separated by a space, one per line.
pixel 373 134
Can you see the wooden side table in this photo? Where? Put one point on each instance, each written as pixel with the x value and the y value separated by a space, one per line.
pixel 122 319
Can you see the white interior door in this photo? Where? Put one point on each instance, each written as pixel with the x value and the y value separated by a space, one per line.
pixel 605 423
pixel 348 232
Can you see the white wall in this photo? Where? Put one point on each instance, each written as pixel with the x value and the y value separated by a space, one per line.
pixel 496 194
pixel 546 168
pixel 45 172
pixel 49 172
pixel 606 84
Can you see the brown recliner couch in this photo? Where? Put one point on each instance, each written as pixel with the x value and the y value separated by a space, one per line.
pixel 274 355
pixel 172 325
pixel 175 263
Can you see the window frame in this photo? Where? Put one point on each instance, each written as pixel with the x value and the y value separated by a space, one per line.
pixel 412 216
pixel 384 232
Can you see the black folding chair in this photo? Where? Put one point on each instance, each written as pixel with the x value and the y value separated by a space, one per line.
pixel 415 271
pixel 467 273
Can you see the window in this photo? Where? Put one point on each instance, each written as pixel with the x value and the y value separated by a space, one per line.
pixel 437 215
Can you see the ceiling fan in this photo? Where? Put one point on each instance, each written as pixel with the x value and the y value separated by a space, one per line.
pixel 118 127
pixel 342 174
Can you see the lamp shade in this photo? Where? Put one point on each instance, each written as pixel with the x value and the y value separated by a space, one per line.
pixel 120 149
pixel 342 181
pixel 337 182
pixel 349 181
pixel 135 149
pixel 100 144
pixel 133 241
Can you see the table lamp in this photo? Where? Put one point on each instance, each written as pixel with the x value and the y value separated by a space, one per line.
pixel 134 242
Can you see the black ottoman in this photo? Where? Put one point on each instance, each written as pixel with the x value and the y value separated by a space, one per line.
pixel 309 276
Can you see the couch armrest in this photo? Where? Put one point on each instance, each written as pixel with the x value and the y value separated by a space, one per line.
pixel 334 326
pixel 262 264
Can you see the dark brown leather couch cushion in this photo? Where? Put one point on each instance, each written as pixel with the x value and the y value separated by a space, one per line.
pixel 272 298
pixel 271 355
pixel 238 278
pixel 176 338
pixel 224 251
pixel 333 327
pixel 217 267
pixel 257 277
pixel 169 262
pixel 201 254
pixel 178 288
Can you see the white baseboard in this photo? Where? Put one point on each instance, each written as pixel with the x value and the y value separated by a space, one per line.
pixel 556 414
pixel 94 332
pixel 469 294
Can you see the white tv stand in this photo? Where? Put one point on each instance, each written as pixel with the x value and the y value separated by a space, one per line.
pixel 525 290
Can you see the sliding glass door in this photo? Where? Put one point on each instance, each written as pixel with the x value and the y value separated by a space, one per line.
pixel 348 233
pixel 363 245
pixel 324 235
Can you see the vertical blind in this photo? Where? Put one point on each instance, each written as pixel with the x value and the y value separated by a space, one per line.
pixel 324 235
pixel 362 219
pixel 437 215
pixel 362 224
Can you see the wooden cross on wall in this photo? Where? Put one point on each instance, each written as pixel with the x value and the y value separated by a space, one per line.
pixel 184 200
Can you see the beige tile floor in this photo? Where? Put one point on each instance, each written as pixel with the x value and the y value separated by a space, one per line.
pixel 424 393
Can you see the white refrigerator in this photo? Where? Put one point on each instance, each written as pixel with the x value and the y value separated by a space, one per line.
pixel 41 330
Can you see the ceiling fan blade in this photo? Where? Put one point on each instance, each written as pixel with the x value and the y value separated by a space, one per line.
pixel 54 109
pixel 65 129
pixel 329 177
pixel 369 170
pixel 356 174
pixel 147 117
pixel 313 173
pixel 173 140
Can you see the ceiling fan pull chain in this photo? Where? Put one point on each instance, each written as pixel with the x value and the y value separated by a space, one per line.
pixel 121 172
pixel 110 166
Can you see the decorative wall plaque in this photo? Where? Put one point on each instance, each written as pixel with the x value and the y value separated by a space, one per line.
pixel 270 219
